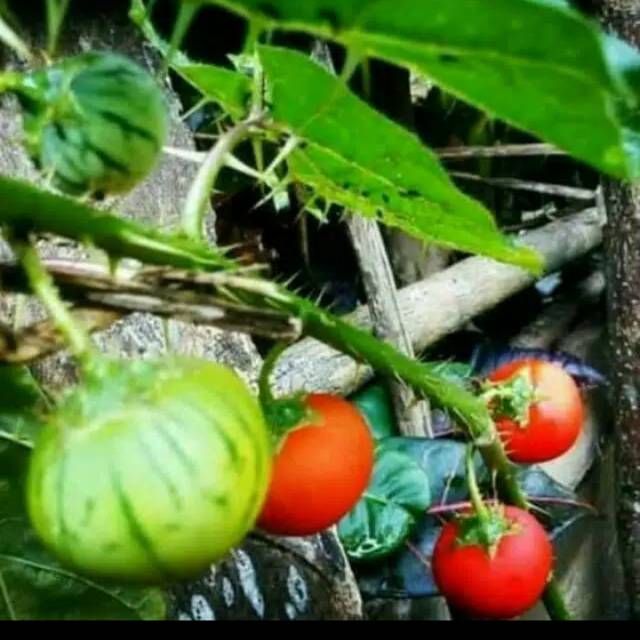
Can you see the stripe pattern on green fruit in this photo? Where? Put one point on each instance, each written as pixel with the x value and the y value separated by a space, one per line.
pixel 94 123
pixel 151 471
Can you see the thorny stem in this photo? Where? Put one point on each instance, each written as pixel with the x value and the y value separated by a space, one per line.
pixel 43 286
pixel 476 498
pixel 196 203
pixel 264 386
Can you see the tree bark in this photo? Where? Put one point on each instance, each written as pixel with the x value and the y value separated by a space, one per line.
pixel 622 243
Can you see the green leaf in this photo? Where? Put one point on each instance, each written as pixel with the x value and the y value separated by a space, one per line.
pixel 358 158
pixel 230 89
pixel 443 461
pixel 538 65
pixel 34 586
pixel 375 404
pixel 385 516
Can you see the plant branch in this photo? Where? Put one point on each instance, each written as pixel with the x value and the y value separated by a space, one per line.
pixel 43 286
pixel 199 194
pixel 10 38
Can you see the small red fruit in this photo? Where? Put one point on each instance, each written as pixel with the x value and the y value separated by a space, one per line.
pixel 320 471
pixel 554 417
pixel 498 583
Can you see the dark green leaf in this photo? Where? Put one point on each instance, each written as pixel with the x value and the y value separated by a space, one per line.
pixel 384 517
pixel 443 462
pixel 560 507
pixel 539 65
pixel 354 156
pixel 376 405
pixel 34 586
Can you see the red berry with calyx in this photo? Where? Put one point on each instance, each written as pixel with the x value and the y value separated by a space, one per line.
pixel 553 414
pixel 501 581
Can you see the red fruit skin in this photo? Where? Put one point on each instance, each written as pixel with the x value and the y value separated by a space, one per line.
pixel 320 471
pixel 554 423
pixel 498 588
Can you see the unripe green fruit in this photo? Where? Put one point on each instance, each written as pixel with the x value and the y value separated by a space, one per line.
pixel 151 471
pixel 95 123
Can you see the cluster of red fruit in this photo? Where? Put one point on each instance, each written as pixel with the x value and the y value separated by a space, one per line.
pixel 506 579
pixel 538 412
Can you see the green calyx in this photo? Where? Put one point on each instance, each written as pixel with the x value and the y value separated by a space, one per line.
pixel 485 529
pixel 281 414
pixel 285 414
pixel 511 399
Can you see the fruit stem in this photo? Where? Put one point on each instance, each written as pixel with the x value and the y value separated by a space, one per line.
pixel 43 286
pixel 264 387
pixel 10 38
pixel 56 12
pixel 474 492
pixel 200 191
pixel 186 14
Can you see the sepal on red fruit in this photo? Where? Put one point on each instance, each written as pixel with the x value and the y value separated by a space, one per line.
pixel 511 399
pixel 485 529
pixel 285 414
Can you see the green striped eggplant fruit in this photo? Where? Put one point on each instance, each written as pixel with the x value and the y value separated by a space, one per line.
pixel 150 471
pixel 94 123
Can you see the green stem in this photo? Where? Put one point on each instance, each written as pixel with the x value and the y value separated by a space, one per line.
pixel 186 14
pixel 56 12
pixel 13 41
pixel 43 286
pixel 195 205
pixel 474 492
pixel 264 386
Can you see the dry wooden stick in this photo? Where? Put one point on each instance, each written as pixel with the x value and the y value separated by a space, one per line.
pixel 500 151
pixel 101 299
pixel 525 185
pixel 414 415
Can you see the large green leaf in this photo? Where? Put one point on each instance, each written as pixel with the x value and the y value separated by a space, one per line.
pixel 539 65
pixel 34 586
pixel 386 514
pixel 356 157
